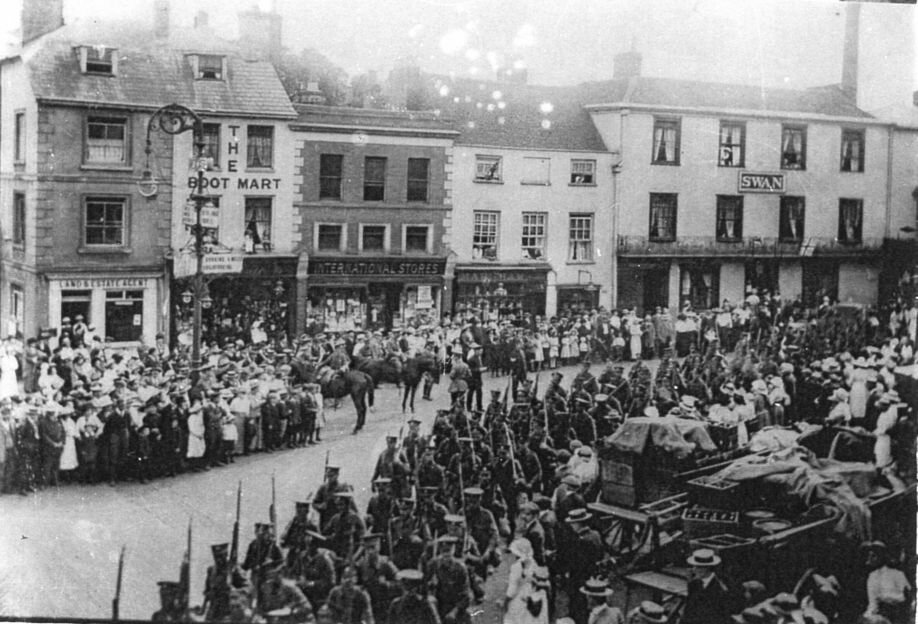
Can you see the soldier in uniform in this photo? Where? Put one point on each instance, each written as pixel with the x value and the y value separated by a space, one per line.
pixel 466 550
pixel 313 568
pixel 430 513
pixel 222 578
pixel 494 408
pixel 481 526
pixel 409 546
pixel 381 509
pixel 585 380
pixel 345 529
pixel 27 451
pixel 261 549
pixel 292 536
pixel 376 574
pixel 348 602
pixel 429 472
pixel 450 580
pixel 414 606
pixel 324 502
pixel 413 445
pixel 279 596
pixel 171 608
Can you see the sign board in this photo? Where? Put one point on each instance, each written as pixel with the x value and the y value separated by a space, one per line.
pixel 394 267
pixel 761 182
pixel 120 282
pixel 210 215
pixel 425 301
pixel 184 264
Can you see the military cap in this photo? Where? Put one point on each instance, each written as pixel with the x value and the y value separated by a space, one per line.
pixel 414 419
pixel 301 505
pixel 169 586
pixel 473 491
pixel 454 518
pixel 219 549
pixel 344 494
pixel 382 481
pixel 410 575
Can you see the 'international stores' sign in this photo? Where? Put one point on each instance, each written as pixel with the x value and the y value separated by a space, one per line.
pixel 757 182
pixel 391 267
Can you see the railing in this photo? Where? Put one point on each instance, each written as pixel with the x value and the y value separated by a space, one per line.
pixel 749 246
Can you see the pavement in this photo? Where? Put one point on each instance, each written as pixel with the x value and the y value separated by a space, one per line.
pixel 59 548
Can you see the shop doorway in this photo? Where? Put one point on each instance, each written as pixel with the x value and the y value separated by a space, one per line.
pixel 820 279
pixel 124 315
pixel 656 289
pixel 382 301
pixel 762 275
pixel 76 303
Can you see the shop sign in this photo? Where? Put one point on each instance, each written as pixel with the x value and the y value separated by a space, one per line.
pixel 210 215
pixel 489 277
pixel 425 300
pixel 222 263
pixel 90 283
pixel 757 182
pixel 376 267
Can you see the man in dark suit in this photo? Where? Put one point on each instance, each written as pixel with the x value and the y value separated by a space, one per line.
pixel 473 397
pixel 708 600
pixel 270 420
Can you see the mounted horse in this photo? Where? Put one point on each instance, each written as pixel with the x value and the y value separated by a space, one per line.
pixel 409 373
pixel 355 383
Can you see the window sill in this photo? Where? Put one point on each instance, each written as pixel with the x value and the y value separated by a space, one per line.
pixel 661 240
pixel 852 243
pixel 329 199
pixel 525 183
pixel 259 169
pixel 850 171
pixel 101 250
pixel 793 168
pixel 790 241
pixel 104 167
pixel 478 181
pixel 729 240
pixel 665 163
pixel 581 262
pixel 582 184
pixel 737 166
pixel 417 252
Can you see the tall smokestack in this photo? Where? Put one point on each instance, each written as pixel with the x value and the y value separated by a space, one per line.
pixel 850 52
pixel 39 17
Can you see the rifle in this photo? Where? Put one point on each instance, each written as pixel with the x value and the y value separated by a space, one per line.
pixel 116 601
pixel 512 454
pixel 234 549
pixel 506 393
pixel 272 509
pixel 185 571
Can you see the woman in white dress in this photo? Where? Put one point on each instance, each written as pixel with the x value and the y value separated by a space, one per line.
pixel 9 385
pixel 69 460
pixel 520 586
pixel 196 444
pixel 635 328
pixel 857 397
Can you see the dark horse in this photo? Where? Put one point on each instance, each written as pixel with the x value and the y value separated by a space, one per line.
pixel 409 373
pixel 355 383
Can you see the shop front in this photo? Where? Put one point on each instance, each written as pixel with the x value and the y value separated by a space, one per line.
pixel 121 308
pixel 501 292
pixel 262 294
pixel 349 294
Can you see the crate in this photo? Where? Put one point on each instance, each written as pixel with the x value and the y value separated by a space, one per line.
pixel 726 437
pixel 618 494
pixel 704 522
pixel 723 543
pixel 714 492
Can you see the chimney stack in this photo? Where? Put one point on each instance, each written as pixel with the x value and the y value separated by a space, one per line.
pixel 201 19
pixel 161 19
pixel 39 17
pixel 850 51
pixel 260 34
pixel 626 64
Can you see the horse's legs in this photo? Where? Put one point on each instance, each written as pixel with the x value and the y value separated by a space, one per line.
pixel 405 392
pixel 414 391
pixel 361 406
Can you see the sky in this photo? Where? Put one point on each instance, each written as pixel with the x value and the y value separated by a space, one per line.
pixel 793 43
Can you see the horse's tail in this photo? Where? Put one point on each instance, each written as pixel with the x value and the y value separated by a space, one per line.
pixel 371 391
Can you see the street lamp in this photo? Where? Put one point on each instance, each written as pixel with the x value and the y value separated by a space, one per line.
pixel 175 119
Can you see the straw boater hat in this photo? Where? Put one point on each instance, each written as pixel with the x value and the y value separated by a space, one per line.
pixel 578 515
pixel 704 558
pixel 596 587
pixel 650 613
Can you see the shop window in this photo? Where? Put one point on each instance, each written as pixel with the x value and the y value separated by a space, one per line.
pixel 105 219
pixel 666 141
pixel 663 217
pixel 124 315
pixel 484 236
pixel 211 143
pixel 260 147
pixel 852 150
pixel 19 144
pixel 330 167
pixel 340 309
pixel 258 222
pixel 820 279
pixel 488 169
pixel 700 286
pixel 792 215
pixel 533 242
pixel 374 178
pixel 209 67
pixel 17 310
pixel 581 238
pixel 374 238
pixel 729 218
pixel 76 303
pixel 418 179
pixel 732 144
pixel 19 219
pixel 850 220
pixel 762 275
pixel 329 237
pixel 583 172
pixel 106 140
pixel 417 238
pixel 793 147
pixel 536 171
pixel 98 60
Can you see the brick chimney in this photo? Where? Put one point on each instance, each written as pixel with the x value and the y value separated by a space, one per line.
pixel 39 17
pixel 201 19
pixel 850 51
pixel 260 34
pixel 161 19
pixel 626 64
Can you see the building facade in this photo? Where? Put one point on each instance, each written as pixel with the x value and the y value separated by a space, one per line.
pixel 533 201
pixel 725 188
pixel 374 208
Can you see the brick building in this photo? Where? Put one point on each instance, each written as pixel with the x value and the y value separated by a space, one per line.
pixel 374 198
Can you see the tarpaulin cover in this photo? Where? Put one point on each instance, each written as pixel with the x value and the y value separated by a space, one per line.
pixel 814 481
pixel 679 436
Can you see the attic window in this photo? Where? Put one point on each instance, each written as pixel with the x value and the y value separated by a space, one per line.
pixel 210 67
pixel 98 59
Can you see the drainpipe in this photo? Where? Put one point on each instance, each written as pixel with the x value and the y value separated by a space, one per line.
pixel 616 169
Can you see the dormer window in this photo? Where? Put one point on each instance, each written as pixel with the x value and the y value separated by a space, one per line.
pixel 98 59
pixel 209 67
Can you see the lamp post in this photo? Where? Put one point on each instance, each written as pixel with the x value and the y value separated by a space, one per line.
pixel 175 119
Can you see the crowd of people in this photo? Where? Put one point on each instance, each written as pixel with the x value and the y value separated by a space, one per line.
pixel 516 476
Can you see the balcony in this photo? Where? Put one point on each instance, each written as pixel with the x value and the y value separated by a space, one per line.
pixel 751 246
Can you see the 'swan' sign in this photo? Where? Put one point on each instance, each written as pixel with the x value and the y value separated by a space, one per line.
pixel 755 182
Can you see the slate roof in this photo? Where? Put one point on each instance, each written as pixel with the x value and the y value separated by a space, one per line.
pixel 520 123
pixel 823 101
pixel 153 73
pixel 365 118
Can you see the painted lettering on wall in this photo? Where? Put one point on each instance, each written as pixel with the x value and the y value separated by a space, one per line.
pixel 375 267
pixel 242 184
pixel 123 282
pixel 752 182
